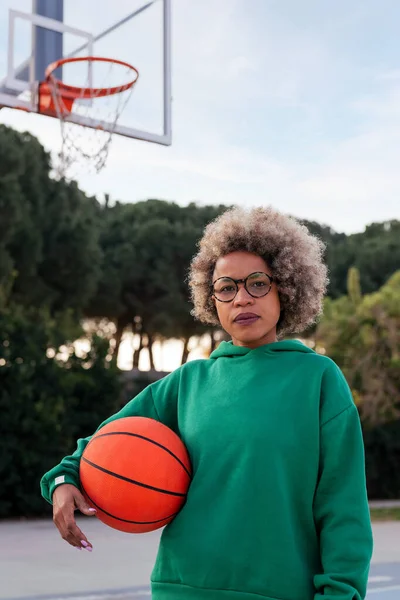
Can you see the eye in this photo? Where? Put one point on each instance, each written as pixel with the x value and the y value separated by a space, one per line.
pixel 224 286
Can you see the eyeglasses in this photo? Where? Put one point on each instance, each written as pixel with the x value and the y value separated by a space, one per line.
pixel 257 284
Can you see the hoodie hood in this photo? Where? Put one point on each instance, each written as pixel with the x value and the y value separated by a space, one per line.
pixel 227 349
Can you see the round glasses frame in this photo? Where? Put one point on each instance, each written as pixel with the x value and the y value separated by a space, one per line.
pixel 244 281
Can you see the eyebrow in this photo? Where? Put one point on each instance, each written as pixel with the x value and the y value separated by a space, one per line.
pixel 244 277
pixel 241 279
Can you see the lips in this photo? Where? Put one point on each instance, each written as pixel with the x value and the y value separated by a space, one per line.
pixel 246 318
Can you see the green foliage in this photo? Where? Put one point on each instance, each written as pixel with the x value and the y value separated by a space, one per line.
pixel 353 286
pixel 382 455
pixel 146 249
pixel 24 168
pixel 363 337
pixel 48 229
pixel 375 253
pixel 127 264
pixel 45 404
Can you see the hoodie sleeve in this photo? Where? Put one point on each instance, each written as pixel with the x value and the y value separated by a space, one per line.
pixel 341 510
pixel 157 401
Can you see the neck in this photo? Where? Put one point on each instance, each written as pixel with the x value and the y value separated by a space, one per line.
pixel 269 338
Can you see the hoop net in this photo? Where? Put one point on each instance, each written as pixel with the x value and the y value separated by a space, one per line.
pixel 106 86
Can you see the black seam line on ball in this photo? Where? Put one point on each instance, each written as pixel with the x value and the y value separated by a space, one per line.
pixel 145 485
pixel 127 520
pixel 142 437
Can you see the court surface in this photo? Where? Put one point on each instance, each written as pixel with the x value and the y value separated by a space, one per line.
pixel 36 564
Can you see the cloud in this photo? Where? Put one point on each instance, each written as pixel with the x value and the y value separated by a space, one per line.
pixel 389 75
pixel 382 105
pixel 240 65
pixel 267 110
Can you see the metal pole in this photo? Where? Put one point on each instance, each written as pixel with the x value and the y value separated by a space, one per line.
pixel 167 71
pixel 10 72
pixel 48 45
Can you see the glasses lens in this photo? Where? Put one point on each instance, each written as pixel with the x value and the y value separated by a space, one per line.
pixel 258 284
pixel 225 289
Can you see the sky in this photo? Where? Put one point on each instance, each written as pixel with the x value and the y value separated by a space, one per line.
pixel 275 102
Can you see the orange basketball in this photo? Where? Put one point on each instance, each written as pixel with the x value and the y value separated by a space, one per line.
pixel 136 472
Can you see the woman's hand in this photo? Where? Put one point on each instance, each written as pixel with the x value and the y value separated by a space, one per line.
pixel 66 500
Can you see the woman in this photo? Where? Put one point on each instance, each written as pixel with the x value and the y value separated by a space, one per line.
pixel 277 508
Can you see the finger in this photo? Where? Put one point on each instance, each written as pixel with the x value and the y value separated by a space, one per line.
pixel 76 537
pixel 73 535
pixel 63 530
pixel 84 507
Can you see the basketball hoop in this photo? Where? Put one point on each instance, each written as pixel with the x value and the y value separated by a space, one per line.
pixel 97 108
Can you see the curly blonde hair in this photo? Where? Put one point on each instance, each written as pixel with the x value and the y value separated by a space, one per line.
pixel 293 254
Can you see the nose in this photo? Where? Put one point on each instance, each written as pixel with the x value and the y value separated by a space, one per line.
pixel 243 297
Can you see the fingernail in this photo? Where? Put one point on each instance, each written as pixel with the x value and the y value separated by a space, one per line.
pixel 89 549
pixel 92 510
pixel 84 544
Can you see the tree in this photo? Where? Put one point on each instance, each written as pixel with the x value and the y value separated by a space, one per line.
pixel 24 170
pixel 146 249
pixel 181 324
pixel 364 339
pixel 49 228
pixel 374 252
pixel 45 402
pixel 353 286
pixel 70 266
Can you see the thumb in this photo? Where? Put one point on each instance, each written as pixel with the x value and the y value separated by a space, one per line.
pixel 83 506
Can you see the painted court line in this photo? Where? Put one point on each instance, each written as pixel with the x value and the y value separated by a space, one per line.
pixel 101 595
pixel 131 593
pixel 390 588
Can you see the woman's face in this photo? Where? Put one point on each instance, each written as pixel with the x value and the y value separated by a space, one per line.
pixel 250 321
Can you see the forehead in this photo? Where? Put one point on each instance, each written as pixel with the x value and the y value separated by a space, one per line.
pixel 239 264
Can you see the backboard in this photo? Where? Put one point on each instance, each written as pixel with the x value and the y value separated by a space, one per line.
pixel 35 33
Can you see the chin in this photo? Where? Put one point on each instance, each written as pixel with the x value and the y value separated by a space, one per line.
pixel 254 337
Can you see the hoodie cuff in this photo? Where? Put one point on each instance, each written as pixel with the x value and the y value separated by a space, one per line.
pixel 60 480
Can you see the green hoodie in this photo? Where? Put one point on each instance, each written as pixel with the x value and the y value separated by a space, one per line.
pixel 277 508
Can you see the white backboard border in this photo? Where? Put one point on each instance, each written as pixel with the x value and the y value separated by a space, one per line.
pixel 23 94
